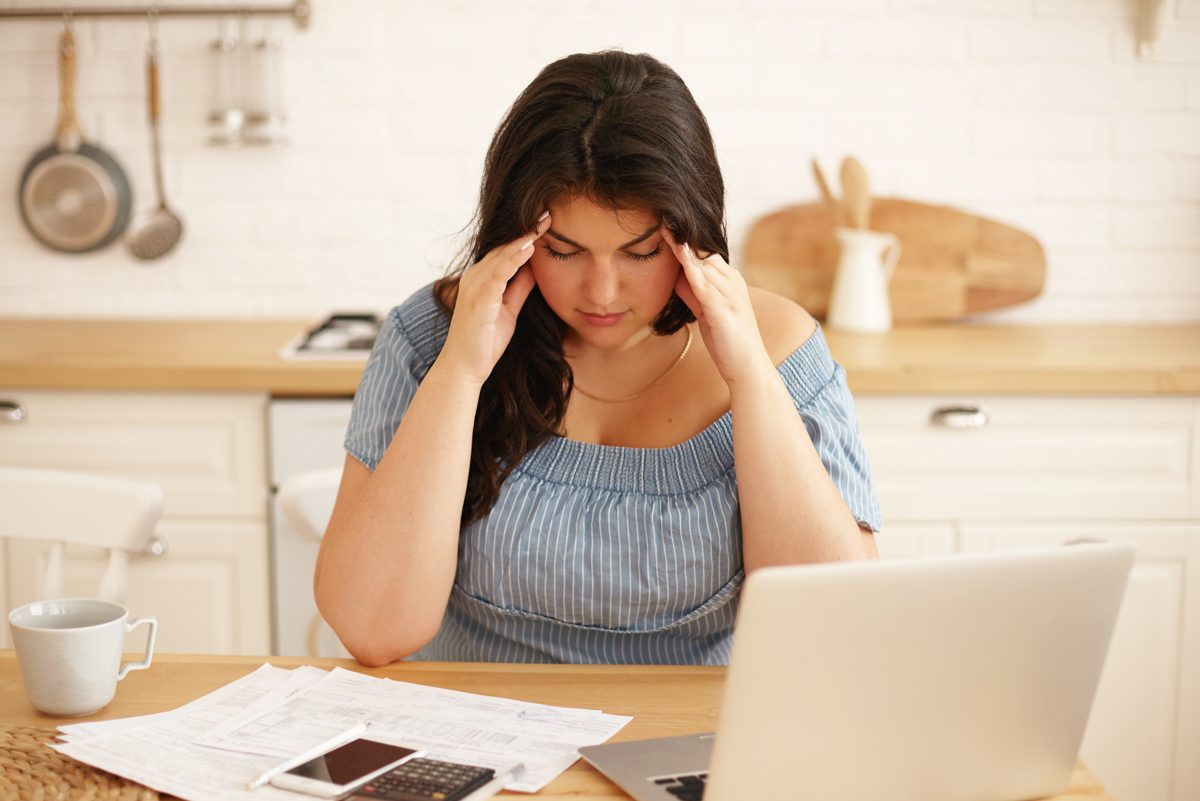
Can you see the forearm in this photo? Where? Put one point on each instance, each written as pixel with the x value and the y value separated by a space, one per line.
pixel 388 558
pixel 791 510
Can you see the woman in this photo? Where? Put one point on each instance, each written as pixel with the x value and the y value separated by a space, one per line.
pixel 575 447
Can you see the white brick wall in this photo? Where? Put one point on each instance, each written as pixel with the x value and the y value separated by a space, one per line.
pixel 1036 112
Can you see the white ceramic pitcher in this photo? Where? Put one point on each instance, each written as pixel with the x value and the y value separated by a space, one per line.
pixel 859 301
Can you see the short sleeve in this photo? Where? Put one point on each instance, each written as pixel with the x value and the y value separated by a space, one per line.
pixel 818 386
pixel 394 371
pixel 833 427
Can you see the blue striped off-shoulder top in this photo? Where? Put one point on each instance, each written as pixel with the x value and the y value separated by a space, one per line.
pixel 597 553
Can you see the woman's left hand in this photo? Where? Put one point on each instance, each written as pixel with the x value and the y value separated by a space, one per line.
pixel 717 294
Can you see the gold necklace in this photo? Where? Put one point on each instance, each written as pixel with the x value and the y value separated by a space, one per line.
pixel 686 347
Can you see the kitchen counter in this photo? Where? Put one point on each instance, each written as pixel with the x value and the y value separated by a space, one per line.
pixel 243 355
pixel 182 355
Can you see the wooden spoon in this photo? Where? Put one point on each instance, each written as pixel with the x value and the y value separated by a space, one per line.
pixel 856 193
pixel 830 201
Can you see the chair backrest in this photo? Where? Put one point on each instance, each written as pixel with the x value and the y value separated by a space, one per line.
pixel 307 499
pixel 306 502
pixel 64 507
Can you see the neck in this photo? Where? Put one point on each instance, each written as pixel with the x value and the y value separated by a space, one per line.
pixel 630 369
pixel 641 345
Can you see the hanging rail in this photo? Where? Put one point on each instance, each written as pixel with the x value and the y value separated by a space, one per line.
pixel 299 10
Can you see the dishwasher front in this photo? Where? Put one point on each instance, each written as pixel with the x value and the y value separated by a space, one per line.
pixel 306 435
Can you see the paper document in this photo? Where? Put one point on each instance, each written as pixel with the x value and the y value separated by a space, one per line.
pixel 263 685
pixel 157 750
pixel 450 725
pixel 210 748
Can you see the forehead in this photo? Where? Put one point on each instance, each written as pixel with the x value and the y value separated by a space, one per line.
pixel 581 218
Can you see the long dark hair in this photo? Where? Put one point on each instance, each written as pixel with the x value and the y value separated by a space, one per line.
pixel 623 131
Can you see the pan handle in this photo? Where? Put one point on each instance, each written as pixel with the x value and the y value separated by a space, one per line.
pixel 68 136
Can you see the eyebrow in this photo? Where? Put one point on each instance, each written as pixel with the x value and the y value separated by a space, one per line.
pixel 639 240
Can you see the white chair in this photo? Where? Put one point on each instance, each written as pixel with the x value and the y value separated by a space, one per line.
pixel 62 507
pixel 306 501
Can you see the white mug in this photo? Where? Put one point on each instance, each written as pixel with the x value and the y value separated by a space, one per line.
pixel 69 651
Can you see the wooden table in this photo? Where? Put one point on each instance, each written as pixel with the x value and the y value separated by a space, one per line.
pixel 663 700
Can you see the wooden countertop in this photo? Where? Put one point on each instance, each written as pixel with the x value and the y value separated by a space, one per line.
pixel 243 355
pixel 183 355
pixel 663 700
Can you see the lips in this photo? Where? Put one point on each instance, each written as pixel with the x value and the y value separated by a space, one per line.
pixel 603 320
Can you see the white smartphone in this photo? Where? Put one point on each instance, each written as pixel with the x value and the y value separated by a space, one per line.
pixel 342 770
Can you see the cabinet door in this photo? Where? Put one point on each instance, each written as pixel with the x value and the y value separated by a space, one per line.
pixel 1031 458
pixel 1131 737
pixel 911 540
pixel 208 591
pixel 208 452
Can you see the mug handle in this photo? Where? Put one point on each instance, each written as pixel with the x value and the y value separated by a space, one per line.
pixel 145 663
pixel 893 255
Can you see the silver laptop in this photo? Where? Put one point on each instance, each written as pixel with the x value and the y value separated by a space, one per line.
pixel 962 678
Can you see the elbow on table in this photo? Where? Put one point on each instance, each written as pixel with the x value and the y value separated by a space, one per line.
pixel 379 645
pixel 376 657
pixel 375 637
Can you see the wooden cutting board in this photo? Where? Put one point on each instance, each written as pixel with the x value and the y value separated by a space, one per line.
pixel 952 264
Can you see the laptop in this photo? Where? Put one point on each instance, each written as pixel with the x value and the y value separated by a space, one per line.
pixel 961 678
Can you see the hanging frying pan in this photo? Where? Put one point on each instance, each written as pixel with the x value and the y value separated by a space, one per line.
pixel 74 196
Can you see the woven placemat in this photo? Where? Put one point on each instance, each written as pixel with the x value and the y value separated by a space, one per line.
pixel 32 771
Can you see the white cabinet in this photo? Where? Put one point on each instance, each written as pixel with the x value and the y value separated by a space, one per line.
pixel 1014 472
pixel 1025 458
pixel 210 591
pixel 1130 736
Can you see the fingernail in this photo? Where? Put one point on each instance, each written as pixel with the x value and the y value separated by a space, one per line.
pixel 526 245
pixel 545 214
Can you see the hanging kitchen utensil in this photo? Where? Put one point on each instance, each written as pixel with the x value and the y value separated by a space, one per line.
pixel 265 119
pixel 74 196
pixel 158 230
pixel 227 115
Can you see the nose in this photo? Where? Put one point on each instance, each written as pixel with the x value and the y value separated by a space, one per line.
pixel 602 283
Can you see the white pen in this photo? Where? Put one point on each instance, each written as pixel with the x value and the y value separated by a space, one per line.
pixel 312 753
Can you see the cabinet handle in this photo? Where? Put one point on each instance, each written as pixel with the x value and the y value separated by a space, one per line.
pixel 1090 541
pixel 157 547
pixel 12 412
pixel 958 417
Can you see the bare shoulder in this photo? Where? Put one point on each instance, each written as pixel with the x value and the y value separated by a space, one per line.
pixel 783 324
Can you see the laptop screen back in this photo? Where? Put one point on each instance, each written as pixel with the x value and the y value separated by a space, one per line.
pixel 966 677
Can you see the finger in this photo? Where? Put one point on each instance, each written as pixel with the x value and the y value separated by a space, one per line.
pixel 712 263
pixel 673 243
pixel 516 253
pixel 685 255
pixel 525 243
pixel 518 289
pixel 685 292
pixel 694 271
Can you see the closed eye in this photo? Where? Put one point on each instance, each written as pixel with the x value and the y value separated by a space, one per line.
pixel 646 256
pixel 554 254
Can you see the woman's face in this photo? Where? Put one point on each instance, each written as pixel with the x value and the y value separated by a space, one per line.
pixel 606 274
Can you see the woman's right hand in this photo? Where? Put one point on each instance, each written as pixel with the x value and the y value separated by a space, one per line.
pixel 490 294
